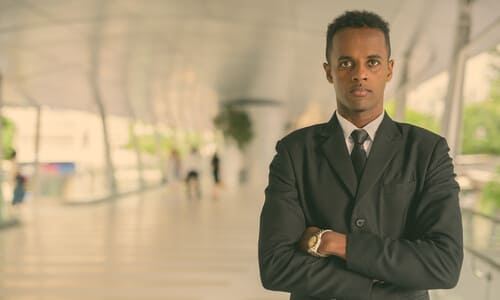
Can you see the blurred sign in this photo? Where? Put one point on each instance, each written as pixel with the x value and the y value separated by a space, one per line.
pixel 58 168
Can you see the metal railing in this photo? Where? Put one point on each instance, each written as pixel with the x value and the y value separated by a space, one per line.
pixel 493 267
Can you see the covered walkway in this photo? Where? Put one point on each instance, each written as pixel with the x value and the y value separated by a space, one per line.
pixel 96 96
pixel 154 245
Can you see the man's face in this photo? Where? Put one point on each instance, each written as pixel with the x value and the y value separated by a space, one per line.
pixel 359 69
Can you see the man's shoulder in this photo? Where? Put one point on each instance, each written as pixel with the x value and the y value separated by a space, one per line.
pixel 303 136
pixel 417 133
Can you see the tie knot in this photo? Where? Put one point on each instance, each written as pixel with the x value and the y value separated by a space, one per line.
pixel 359 136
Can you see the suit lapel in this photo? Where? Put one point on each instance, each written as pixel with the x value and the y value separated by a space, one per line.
pixel 388 141
pixel 335 150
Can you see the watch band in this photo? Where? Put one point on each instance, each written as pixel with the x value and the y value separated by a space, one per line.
pixel 314 249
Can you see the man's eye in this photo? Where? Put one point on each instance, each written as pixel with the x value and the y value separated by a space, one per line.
pixel 373 63
pixel 345 64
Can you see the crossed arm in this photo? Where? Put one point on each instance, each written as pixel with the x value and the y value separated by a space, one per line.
pixel 431 260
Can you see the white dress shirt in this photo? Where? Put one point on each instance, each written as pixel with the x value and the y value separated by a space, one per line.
pixel 371 128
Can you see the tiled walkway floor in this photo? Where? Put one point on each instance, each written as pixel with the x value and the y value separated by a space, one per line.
pixel 157 245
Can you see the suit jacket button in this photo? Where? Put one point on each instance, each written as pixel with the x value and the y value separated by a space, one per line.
pixel 360 223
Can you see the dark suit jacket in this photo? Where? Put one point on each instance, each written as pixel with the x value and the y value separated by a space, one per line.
pixel 402 220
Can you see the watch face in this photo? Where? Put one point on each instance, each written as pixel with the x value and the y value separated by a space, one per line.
pixel 312 241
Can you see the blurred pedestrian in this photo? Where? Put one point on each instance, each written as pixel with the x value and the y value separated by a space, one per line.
pixel 216 175
pixel 19 189
pixel 216 168
pixel 19 181
pixel 175 165
pixel 193 164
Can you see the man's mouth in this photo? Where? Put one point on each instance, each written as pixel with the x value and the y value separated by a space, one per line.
pixel 360 91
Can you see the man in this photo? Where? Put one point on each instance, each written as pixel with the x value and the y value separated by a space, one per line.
pixel 360 207
pixel 193 164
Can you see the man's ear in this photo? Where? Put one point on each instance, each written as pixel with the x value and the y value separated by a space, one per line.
pixel 328 72
pixel 390 67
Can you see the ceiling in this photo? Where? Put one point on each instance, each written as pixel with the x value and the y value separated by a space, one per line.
pixel 173 61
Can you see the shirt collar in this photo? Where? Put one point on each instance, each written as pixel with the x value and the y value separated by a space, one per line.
pixel 371 128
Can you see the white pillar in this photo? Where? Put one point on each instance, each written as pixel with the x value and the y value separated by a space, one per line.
pixel 94 84
pixel 454 132
pixel 161 156
pixel 231 163
pixel 95 40
pixel 401 93
pixel 2 175
pixel 110 169
pixel 140 166
pixel 268 120
pixel 36 166
pixel 454 100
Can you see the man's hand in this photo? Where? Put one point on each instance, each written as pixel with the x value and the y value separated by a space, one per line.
pixel 332 243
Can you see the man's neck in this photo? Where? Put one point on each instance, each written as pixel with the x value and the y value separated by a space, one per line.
pixel 359 119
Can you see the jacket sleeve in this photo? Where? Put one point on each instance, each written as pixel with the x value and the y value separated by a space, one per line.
pixel 431 259
pixel 282 266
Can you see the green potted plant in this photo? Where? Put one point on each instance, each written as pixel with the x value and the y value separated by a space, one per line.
pixel 235 124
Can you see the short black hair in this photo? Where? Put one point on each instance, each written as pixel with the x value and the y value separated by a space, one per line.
pixel 357 19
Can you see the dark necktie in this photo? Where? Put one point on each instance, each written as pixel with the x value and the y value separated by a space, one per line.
pixel 358 154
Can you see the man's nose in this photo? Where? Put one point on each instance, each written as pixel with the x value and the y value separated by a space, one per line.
pixel 359 73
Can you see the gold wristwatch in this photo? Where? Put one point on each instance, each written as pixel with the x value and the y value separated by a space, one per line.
pixel 314 242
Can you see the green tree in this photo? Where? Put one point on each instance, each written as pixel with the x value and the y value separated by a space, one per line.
pixel 490 195
pixel 147 143
pixel 481 128
pixel 481 132
pixel 8 132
